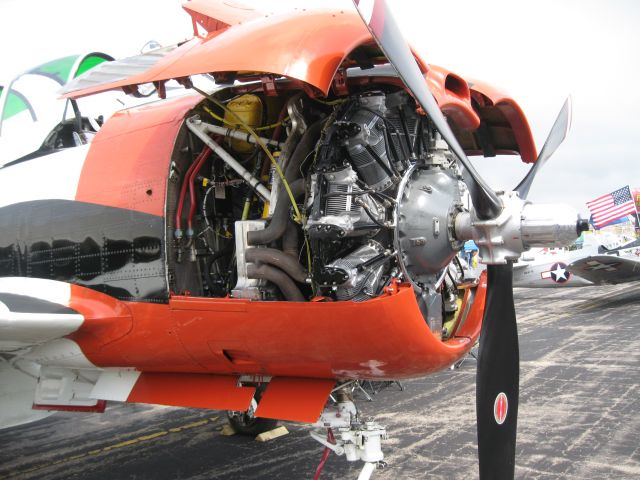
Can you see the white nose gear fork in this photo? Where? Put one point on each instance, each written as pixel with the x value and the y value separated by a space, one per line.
pixel 352 437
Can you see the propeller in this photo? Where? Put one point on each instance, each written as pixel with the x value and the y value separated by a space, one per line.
pixel 497 381
pixel 556 136
pixel 497 378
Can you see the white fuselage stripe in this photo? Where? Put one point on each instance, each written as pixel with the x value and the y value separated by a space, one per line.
pixel 48 290
pixel 52 177
pixel 25 329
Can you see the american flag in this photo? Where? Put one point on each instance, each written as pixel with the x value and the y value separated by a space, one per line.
pixel 610 207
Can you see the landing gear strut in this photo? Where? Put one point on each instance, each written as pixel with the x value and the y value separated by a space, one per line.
pixel 246 423
pixel 355 438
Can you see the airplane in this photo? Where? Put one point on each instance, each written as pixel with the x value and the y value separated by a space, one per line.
pixel 28 104
pixel 601 261
pixel 260 247
pixel 35 122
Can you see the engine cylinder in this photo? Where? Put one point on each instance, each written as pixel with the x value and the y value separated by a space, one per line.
pixel 361 284
pixel 364 136
pixel 340 208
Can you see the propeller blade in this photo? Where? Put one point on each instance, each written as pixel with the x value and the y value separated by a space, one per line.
pixel 377 16
pixel 497 381
pixel 556 136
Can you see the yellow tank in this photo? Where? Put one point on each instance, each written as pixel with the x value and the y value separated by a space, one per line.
pixel 249 109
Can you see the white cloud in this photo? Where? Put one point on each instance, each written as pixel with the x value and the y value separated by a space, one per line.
pixel 539 51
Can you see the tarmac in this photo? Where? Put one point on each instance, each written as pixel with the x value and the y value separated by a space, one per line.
pixel 579 415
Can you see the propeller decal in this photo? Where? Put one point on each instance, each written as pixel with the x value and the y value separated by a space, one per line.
pixel 500 408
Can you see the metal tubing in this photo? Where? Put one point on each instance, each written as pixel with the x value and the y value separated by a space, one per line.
pixel 290 240
pixel 278 222
pixel 367 470
pixel 306 145
pixel 289 289
pixel 277 258
pixel 238 135
pixel 197 128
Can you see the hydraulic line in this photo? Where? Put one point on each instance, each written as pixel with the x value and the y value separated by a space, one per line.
pixel 192 190
pixel 275 135
pixel 247 201
pixel 278 126
pixel 325 455
pixel 183 192
pixel 213 259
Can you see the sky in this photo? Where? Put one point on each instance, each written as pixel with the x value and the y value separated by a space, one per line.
pixel 538 51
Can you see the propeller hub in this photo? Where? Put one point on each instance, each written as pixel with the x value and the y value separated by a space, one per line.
pixel 550 225
pixel 520 226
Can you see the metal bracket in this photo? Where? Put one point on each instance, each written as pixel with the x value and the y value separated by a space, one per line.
pixel 339 84
pixel 269 86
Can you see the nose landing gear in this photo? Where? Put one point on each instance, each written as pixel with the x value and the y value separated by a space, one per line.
pixel 354 437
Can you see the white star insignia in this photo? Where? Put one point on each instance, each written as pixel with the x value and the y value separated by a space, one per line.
pixel 559 273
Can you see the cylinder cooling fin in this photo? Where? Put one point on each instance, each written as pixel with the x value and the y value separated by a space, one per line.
pixel 341 208
pixel 363 282
pixel 363 134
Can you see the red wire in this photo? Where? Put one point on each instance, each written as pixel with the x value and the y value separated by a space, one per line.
pixel 325 455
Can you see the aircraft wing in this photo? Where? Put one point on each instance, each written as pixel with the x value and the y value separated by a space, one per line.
pixel 27 321
pixel 607 269
pixel 35 318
